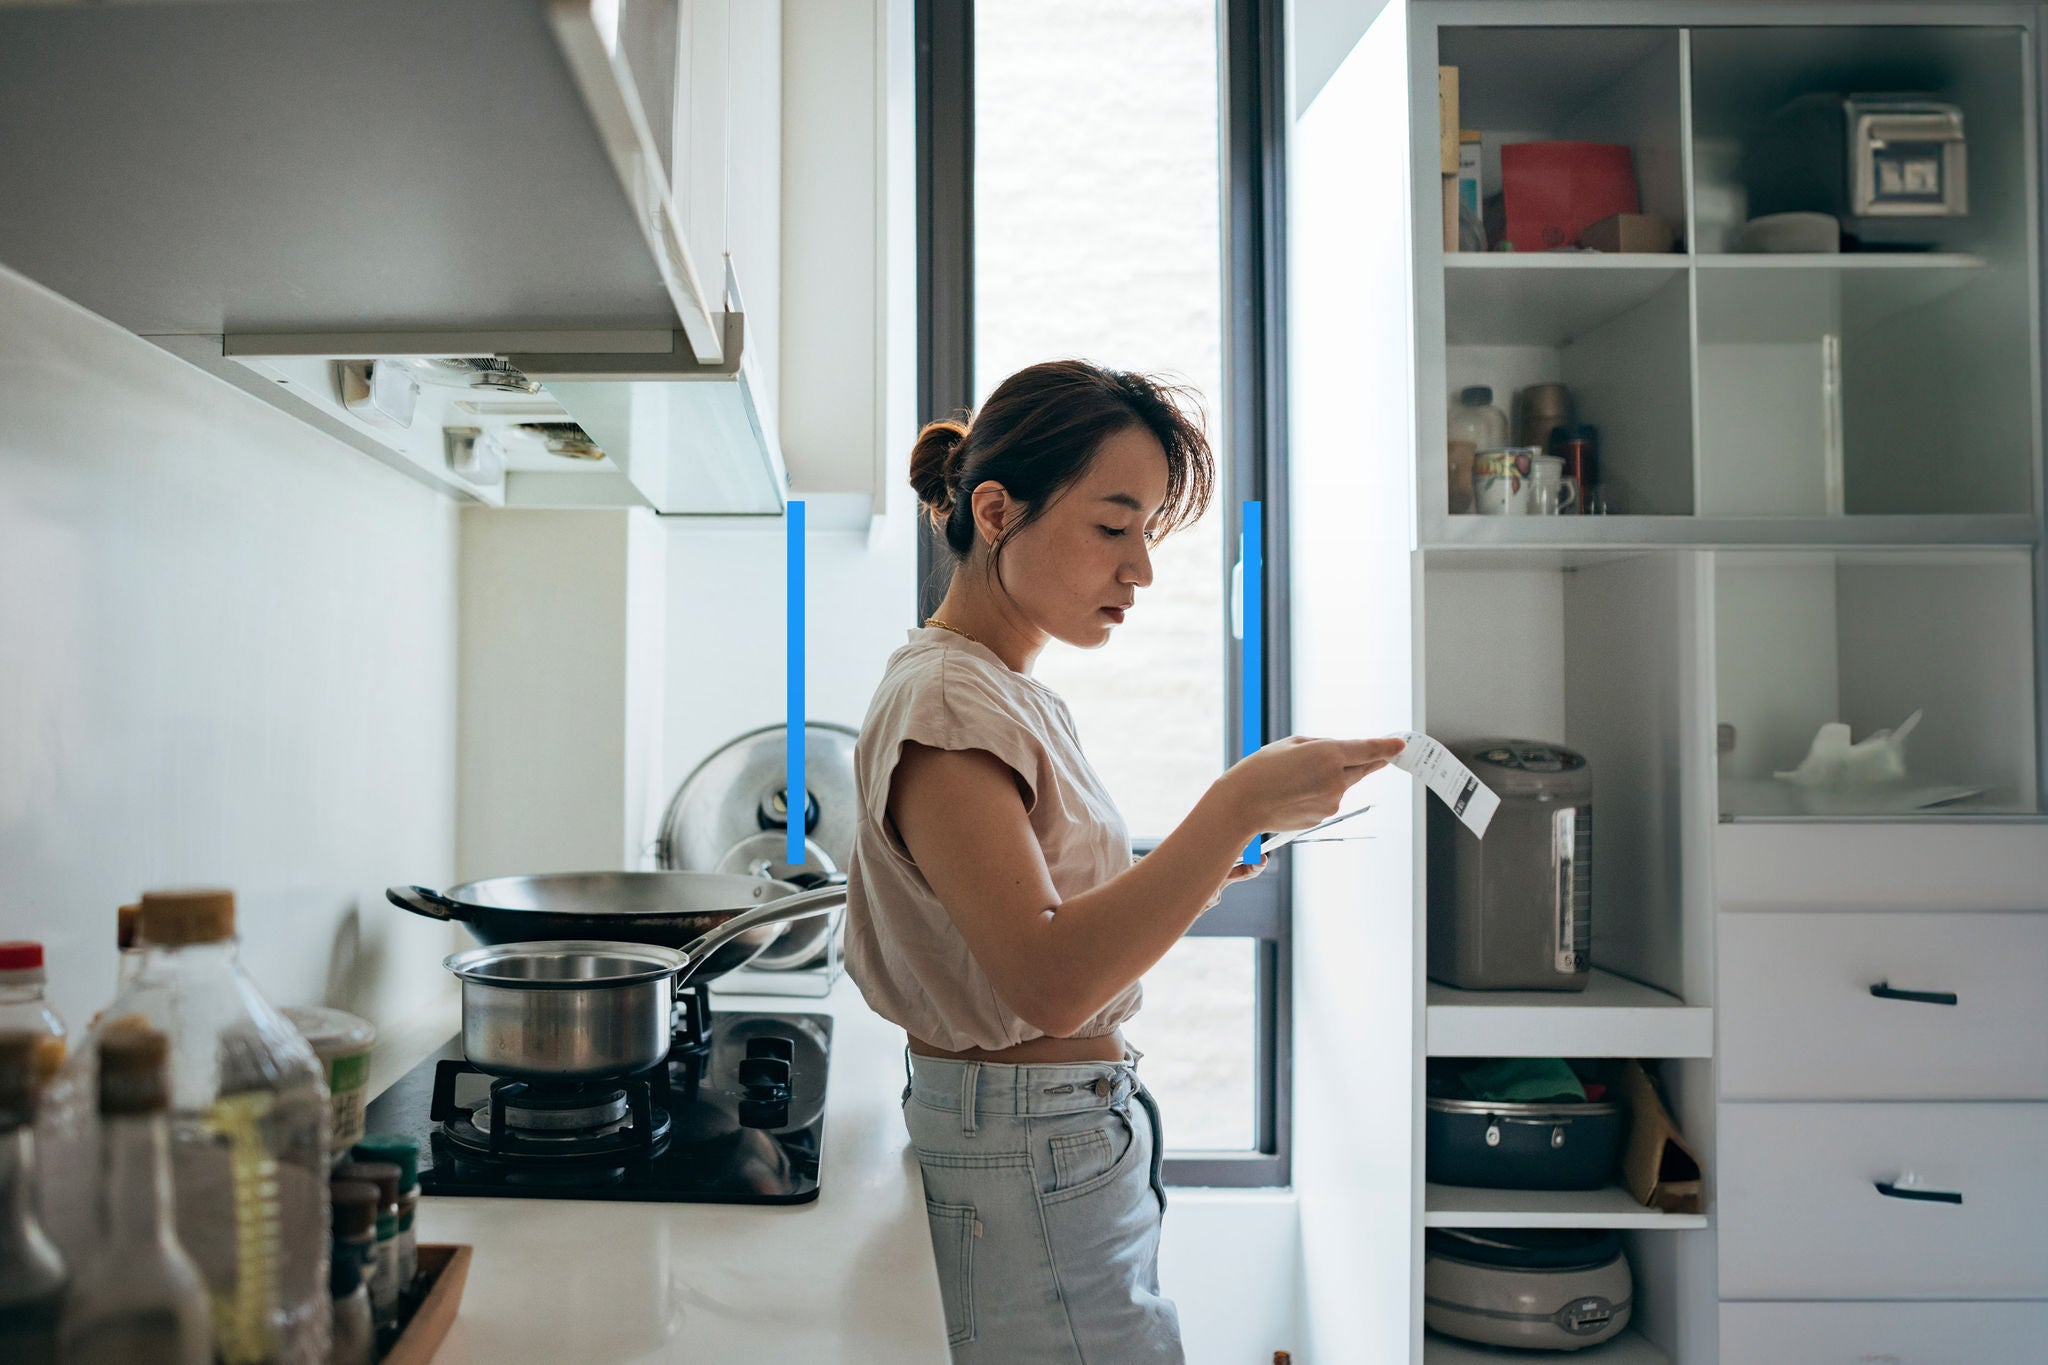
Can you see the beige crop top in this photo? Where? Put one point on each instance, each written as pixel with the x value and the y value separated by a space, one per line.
pixel 949 692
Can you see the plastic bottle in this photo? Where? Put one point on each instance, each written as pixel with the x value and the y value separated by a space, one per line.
pixel 1474 425
pixel 354 1219
pixel 32 1273
pixel 22 1006
pixel 249 1122
pixel 140 1297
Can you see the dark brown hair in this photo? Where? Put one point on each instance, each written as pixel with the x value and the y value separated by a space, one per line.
pixel 1038 433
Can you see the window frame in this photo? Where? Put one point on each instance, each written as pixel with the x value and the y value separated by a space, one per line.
pixel 1251 90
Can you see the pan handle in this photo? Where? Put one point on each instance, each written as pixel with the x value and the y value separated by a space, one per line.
pixel 421 901
pixel 822 901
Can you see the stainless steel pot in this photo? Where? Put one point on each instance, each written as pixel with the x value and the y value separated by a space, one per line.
pixel 566 1009
pixel 586 1009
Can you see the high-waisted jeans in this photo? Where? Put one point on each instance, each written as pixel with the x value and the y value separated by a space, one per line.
pixel 1042 1185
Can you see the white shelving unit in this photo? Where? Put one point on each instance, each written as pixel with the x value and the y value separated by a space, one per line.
pixel 1612 1017
pixel 1455 1206
pixel 1788 549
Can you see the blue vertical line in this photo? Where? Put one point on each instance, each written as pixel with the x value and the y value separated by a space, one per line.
pixel 793 737
pixel 1252 554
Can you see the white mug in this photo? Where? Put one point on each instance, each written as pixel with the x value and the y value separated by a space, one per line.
pixel 1500 481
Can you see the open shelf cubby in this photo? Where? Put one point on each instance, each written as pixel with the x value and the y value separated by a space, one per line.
pixel 1882 394
pixel 1593 656
pixel 1806 638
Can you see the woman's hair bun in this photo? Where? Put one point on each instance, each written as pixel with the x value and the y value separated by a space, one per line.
pixel 934 460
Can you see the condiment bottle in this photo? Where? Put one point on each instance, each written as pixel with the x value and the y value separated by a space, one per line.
pixel 353 1205
pixel 140 1297
pixel 22 1006
pixel 404 1153
pixel 384 1281
pixel 32 1274
pixel 249 1121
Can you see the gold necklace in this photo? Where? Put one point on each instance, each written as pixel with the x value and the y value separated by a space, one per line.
pixel 943 625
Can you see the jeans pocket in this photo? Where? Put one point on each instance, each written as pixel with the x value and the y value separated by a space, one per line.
pixel 1093 1157
pixel 953 1229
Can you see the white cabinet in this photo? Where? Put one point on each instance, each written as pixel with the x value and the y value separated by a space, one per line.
pixel 1884 1007
pixel 1884 1201
pixel 1782 551
pixel 1886 1333
pixel 267 190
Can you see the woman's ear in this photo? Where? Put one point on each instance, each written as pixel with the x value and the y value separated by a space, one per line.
pixel 993 507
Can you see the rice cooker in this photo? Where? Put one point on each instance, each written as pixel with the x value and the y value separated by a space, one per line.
pixel 1555 1289
pixel 1514 911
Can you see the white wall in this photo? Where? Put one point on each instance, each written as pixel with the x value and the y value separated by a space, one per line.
pixel 227 657
pixel 562 668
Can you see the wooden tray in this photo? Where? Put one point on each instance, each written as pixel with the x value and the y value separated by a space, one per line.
pixel 444 1268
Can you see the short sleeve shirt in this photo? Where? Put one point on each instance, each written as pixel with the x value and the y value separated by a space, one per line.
pixel 948 692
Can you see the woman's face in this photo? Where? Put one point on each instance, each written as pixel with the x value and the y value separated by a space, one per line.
pixel 1077 569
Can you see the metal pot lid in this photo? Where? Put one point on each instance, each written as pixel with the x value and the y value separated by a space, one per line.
pixel 1543 1109
pixel 739 792
pixel 565 964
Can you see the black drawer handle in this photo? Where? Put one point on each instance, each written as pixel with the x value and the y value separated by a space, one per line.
pixel 1891 1191
pixel 1883 990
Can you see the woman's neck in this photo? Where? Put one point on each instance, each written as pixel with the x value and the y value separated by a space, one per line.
pixel 992 620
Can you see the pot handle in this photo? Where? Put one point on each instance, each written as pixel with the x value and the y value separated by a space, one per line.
pixel 822 901
pixel 421 901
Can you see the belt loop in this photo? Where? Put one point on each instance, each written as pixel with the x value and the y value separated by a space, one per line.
pixel 970 1081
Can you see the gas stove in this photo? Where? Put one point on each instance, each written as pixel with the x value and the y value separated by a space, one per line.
pixel 734 1115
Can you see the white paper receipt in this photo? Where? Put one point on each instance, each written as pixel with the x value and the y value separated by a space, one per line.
pixel 1471 800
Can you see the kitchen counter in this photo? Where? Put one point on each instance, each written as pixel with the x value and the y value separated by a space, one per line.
pixel 847 1278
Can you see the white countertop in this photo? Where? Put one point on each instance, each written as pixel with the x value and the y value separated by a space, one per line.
pixel 847 1278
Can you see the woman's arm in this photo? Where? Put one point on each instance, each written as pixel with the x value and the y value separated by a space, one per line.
pixel 1057 963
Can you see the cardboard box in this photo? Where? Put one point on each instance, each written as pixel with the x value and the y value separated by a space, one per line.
pixel 1469 157
pixel 1631 232
pixel 1447 117
pixel 1551 191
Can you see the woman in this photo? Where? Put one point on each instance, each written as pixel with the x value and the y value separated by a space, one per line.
pixel 995 911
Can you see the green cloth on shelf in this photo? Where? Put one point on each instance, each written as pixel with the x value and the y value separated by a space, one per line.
pixel 1522 1080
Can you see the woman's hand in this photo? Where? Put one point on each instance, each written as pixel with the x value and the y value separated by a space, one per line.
pixel 1239 872
pixel 1296 782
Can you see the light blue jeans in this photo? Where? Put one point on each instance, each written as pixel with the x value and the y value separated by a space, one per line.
pixel 1042 1184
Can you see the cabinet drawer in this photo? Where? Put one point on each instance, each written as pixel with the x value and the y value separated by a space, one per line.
pixel 1891 1333
pixel 1798 1020
pixel 1801 1217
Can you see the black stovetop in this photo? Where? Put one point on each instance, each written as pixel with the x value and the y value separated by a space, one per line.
pixel 717 1139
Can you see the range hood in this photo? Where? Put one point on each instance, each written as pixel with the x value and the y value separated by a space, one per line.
pixel 298 195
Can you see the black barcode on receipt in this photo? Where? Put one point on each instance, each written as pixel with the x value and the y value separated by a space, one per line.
pixel 1465 796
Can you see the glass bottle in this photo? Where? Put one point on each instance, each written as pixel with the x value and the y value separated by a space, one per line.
pixel 354 1209
pixel 140 1297
pixel 1474 425
pixel 22 1006
pixel 32 1276
pixel 404 1153
pixel 249 1124
pixel 385 1283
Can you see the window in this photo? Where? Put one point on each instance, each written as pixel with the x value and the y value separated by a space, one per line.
pixel 1094 181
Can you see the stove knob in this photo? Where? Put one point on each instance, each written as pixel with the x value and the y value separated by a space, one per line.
pixel 765 1078
pixel 782 1049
